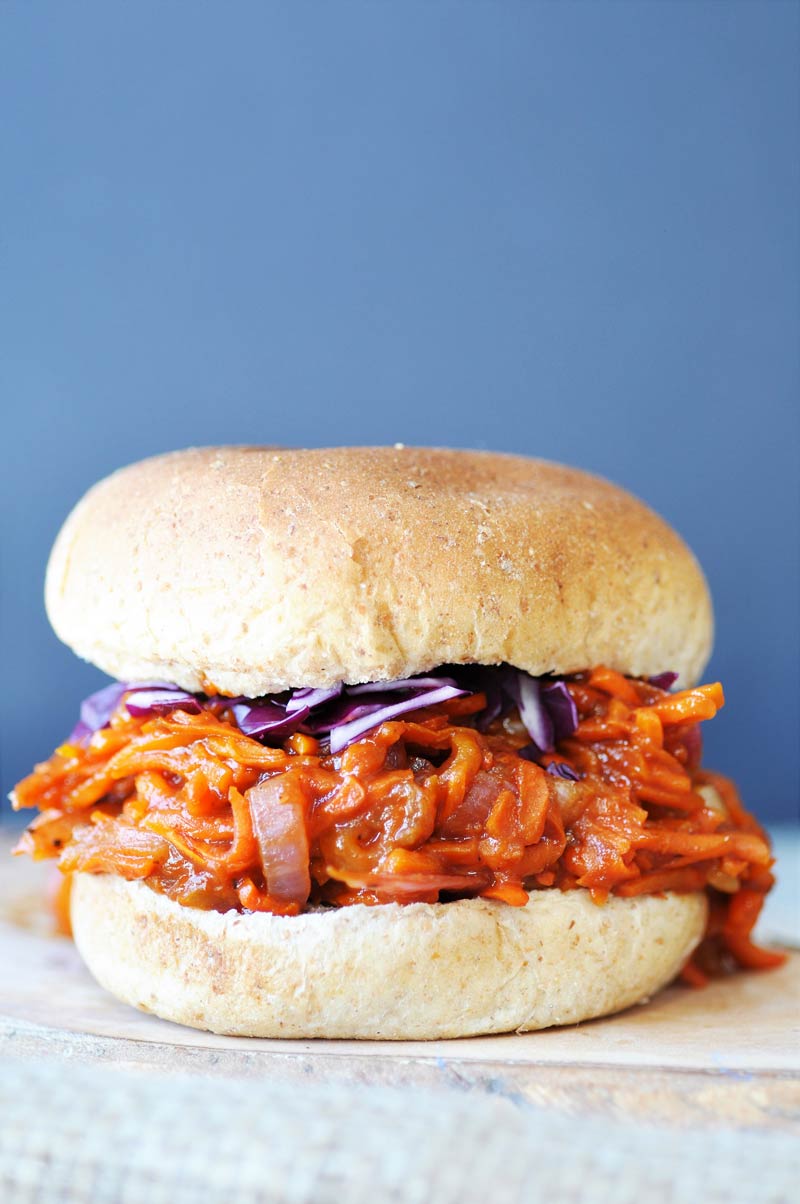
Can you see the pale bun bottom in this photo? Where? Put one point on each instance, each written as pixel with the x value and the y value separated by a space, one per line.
pixel 416 971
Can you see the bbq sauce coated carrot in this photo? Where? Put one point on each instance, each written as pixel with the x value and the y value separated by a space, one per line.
pixel 421 809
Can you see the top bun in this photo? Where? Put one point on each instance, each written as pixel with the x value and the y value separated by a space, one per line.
pixel 248 570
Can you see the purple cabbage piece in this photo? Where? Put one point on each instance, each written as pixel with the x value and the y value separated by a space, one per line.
pixel 419 684
pixel 533 712
pixel 80 733
pixel 267 718
pixel 496 705
pixel 345 733
pixel 546 708
pixel 559 770
pixel 343 713
pixel 309 697
pixel 143 698
pixel 545 705
pixel 664 681
pixel 561 708
pixel 97 709
pixel 490 680
pixel 160 701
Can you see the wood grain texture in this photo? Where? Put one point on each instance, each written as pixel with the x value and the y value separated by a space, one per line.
pixel 725 1056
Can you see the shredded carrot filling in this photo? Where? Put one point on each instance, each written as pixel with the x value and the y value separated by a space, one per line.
pixel 422 809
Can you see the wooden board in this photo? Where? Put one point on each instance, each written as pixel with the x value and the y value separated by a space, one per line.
pixel 729 1054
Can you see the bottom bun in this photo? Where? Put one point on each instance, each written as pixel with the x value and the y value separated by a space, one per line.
pixel 416 971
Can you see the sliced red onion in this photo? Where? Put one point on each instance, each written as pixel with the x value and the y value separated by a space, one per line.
pixel 278 815
pixel 472 812
pixel 346 733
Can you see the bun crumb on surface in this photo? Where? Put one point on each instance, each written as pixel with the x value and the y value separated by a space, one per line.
pixel 247 570
pixel 417 971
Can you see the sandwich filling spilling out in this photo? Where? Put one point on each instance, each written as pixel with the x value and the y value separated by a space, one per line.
pixel 473 781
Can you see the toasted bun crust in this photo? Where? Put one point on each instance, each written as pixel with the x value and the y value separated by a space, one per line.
pixel 417 971
pixel 249 570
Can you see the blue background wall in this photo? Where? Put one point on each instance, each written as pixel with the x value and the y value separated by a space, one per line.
pixel 566 229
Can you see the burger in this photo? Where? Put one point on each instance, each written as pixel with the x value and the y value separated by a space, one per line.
pixel 403 743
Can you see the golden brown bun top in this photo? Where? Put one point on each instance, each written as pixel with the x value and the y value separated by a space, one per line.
pixel 251 569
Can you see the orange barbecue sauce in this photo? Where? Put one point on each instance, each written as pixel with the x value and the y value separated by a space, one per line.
pixel 422 809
